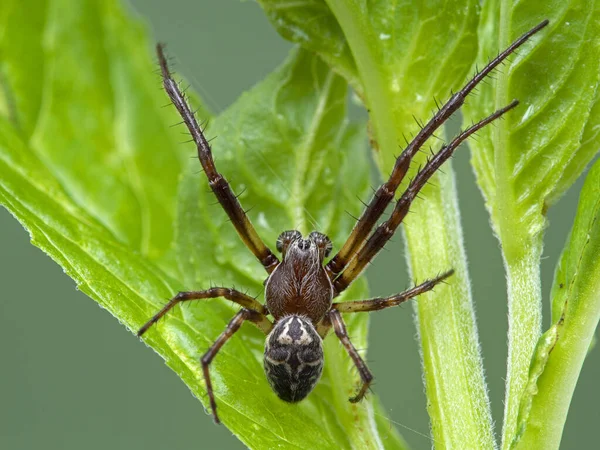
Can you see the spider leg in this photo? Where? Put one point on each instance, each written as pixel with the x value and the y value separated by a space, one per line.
pixel 335 318
pixel 375 304
pixel 217 182
pixel 230 294
pixel 386 230
pixel 233 326
pixel 384 195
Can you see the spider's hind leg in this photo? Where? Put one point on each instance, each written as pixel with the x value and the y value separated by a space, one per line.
pixel 238 297
pixel 232 327
pixel 334 318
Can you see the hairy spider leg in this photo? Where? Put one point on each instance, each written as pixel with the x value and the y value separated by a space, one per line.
pixel 238 297
pixel 375 304
pixel 217 182
pixel 387 229
pixel 233 326
pixel 384 195
pixel 334 318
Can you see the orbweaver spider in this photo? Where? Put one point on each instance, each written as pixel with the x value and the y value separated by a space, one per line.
pixel 299 289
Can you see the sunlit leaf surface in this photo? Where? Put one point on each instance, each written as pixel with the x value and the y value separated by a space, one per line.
pixel 92 168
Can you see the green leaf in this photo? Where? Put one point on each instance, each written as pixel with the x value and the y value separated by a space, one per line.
pixel 312 24
pixel 91 168
pixel 576 309
pixel 113 81
pixel 392 53
pixel 399 56
pixel 16 23
pixel 526 162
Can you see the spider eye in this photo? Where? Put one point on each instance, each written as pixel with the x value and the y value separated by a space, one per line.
pixel 286 238
pixel 322 241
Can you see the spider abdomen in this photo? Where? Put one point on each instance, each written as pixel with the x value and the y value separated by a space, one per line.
pixel 293 359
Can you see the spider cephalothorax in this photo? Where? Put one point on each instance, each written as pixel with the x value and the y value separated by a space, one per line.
pixel 293 358
pixel 300 289
pixel 300 284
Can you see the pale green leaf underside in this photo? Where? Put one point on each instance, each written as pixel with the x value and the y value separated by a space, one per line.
pixel 91 168
pixel 532 157
pixel 393 53
pixel 312 24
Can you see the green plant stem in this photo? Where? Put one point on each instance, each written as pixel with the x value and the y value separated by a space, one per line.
pixel 521 251
pixel 524 328
pixel 452 364
pixel 576 311
pixel 557 384
pixel 378 99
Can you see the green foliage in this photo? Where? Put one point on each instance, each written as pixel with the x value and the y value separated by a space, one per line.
pixel 397 58
pixel 527 161
pixel 87 95
pixel 91 167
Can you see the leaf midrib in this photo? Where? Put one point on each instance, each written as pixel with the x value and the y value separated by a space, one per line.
pixel 296 206
pixel 504 197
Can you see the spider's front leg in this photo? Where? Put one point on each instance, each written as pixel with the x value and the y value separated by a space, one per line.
pixel 386 230
pixel 217 182
pixel 385 194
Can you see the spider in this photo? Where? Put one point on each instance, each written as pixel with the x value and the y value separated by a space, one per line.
pixel 300 288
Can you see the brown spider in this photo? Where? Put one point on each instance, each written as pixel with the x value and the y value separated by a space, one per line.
pixel 300 288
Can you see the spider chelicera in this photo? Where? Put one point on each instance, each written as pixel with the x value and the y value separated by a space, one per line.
pixel 299 289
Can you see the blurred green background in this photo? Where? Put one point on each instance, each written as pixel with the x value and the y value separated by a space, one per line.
pixel 73 378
